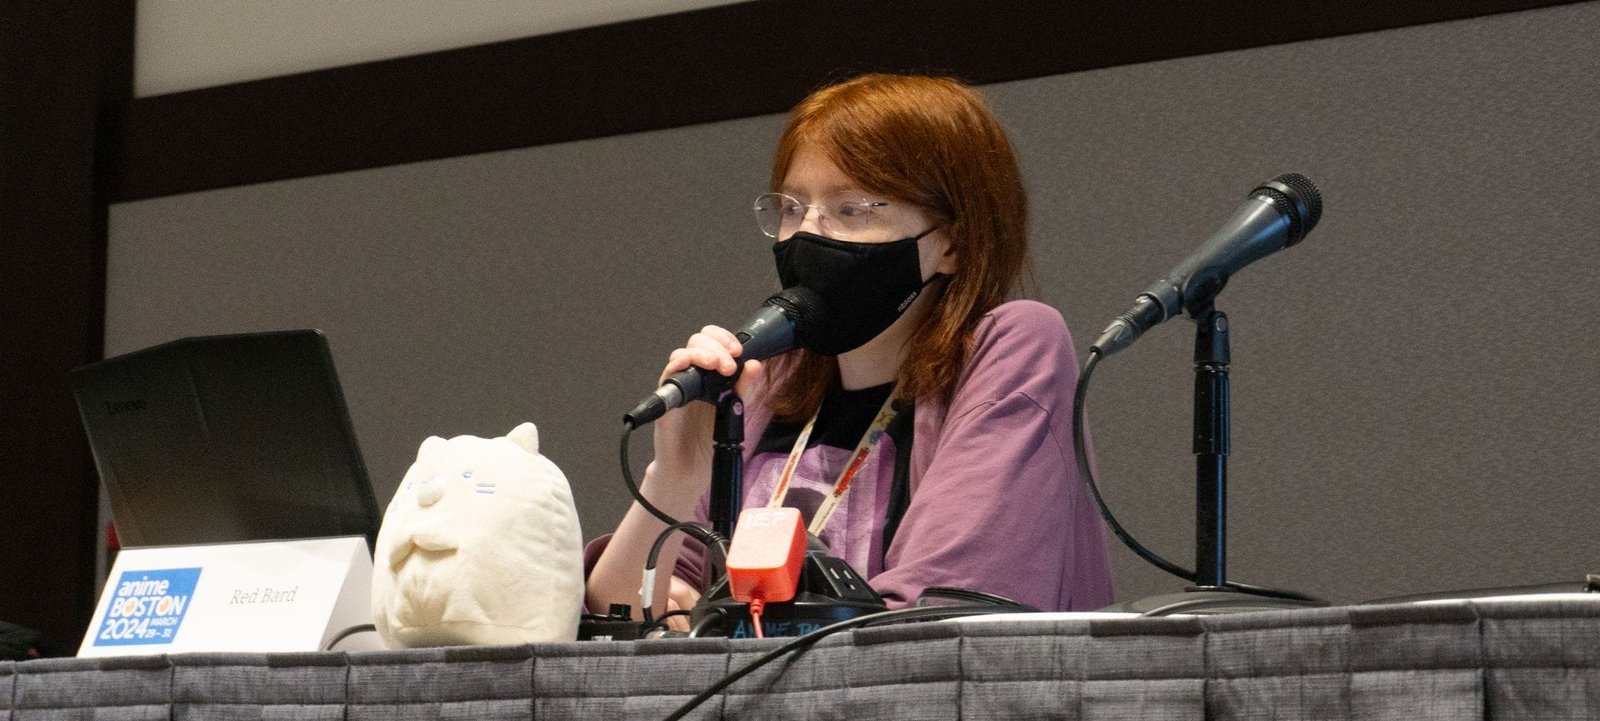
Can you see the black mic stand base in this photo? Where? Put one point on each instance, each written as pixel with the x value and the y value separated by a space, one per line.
pixel 830 591
pixel 1207 601
pixel 805 613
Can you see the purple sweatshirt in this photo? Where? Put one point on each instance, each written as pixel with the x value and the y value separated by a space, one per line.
pixel 996 501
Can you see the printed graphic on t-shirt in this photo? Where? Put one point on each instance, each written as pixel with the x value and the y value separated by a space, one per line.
pixel 855 531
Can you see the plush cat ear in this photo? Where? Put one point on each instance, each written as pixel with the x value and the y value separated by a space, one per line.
pixel 527 436
pixel 433 443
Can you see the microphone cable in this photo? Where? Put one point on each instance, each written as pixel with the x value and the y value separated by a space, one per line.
pixel 971 596
pixel 1080 450
pixel 916 613
pixel 713 541
pixel 660 624
pixel 347 633
pixel 633 487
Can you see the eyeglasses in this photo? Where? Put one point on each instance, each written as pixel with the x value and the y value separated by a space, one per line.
pixel 844 215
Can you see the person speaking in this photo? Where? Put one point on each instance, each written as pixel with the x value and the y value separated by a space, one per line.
pixel 923 428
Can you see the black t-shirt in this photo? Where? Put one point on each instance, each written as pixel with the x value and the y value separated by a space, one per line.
pixel 844 417
pixel 842 420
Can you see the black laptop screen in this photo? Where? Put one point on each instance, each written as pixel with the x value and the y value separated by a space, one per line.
pixel 220 439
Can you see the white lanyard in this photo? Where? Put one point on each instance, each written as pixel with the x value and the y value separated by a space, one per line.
pixel 864 447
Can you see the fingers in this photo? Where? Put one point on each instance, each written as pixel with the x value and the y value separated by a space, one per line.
pixel 753 371
pixel 713 348
pixel 721 335
pixel 681 594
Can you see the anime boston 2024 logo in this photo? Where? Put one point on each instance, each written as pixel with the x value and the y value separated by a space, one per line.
pixel 147 607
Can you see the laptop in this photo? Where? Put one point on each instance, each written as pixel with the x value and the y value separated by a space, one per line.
pixel 226 439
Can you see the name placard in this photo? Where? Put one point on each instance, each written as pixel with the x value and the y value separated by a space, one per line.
pixel 268 596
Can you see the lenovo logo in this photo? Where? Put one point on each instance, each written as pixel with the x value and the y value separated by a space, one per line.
pixel 115 407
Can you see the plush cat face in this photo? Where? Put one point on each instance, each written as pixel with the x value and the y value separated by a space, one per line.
pixel 480 544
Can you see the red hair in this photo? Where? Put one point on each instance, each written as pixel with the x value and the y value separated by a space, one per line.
pixel 933 143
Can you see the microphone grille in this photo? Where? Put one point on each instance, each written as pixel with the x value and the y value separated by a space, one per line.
pixel 1303 199
pixel 801 306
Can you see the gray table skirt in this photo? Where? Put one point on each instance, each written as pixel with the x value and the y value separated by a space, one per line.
pixel 1457 662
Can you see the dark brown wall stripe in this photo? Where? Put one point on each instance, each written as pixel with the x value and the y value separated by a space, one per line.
pixel 60 64
pixel 695 67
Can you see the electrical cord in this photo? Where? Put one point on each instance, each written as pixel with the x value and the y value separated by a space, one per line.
pixel 710 621
pixel 633 487
pixel 1271 592
pixel 756 607
pixel 970 596
pixel 347 633
pixel 1080 451
pixel 802 642
pixel 662 622
pixel 1212 604
pixel 713 541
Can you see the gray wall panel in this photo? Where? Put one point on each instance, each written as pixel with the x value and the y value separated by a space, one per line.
pixel 1414 385
pixel 465 296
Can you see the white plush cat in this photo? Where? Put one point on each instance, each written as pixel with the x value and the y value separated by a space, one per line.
pixel 480 545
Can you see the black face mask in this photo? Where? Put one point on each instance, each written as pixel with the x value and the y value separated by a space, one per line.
pixel 864 287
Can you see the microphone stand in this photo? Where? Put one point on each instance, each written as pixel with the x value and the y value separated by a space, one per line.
pixel 1212 419
pixel 727 474
pixel 830 591
pixel 1211 445
pixel 727 462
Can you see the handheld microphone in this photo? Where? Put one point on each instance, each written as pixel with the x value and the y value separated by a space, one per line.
pixel 1278 214
pixel 776 328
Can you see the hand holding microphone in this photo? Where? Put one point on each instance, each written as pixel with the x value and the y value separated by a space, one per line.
pixel 713 350
pixel 691 373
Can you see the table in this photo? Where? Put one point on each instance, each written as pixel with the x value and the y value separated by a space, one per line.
pixel 1526 659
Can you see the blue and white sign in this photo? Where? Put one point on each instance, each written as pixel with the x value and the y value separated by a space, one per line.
pixel 242 597
pixel 147 607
